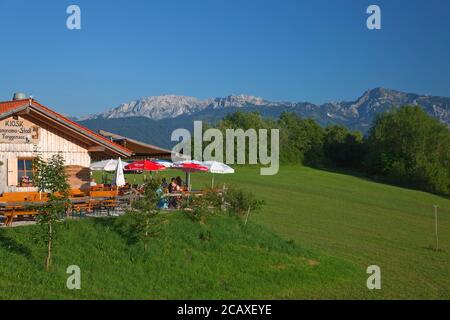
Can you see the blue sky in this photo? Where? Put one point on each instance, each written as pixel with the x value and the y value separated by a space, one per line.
pixel 313 51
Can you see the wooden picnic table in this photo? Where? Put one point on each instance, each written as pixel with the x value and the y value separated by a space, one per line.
pixel 72 200
pixel 11 209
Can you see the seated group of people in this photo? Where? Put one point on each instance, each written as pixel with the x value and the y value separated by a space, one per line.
pixel 175 185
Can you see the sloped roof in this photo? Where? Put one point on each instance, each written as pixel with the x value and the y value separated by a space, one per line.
pixel 117 137
pixel 10 105
pixel 9 108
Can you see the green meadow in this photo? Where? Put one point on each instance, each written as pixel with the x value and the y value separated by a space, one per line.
pixel 361 221
pixel 314 238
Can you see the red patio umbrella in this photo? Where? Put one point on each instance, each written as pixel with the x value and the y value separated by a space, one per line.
pixel 144 165
pixel 189 166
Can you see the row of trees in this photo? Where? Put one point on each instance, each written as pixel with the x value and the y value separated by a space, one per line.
pixel 405 146
pixel 303 140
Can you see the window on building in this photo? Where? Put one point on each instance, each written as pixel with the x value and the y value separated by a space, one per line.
pixel 25 171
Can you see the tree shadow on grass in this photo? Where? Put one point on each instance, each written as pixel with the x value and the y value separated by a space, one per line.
pixel 105 222
pixel 348 172
pixel 379 180
pixel 433 248
pixel 11 245
pixel 120 225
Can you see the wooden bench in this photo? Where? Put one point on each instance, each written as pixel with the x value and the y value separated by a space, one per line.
pixel 15 204
pixel 23 197
pixel 10 215
pixel 104 194
pixel 14 210
pixel 21 203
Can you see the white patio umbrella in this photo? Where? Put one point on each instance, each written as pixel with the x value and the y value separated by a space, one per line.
pixel 119 177
pixel 217 167
pixel 106 165
pixel 165 163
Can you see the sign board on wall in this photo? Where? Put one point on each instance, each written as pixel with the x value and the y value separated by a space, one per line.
pixel 18 130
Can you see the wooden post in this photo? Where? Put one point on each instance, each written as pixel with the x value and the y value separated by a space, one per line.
pixel 436 225
pixel 188 180
pixel 223 198
pixel 248 214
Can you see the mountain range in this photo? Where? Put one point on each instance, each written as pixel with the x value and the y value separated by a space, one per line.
pixel 152 119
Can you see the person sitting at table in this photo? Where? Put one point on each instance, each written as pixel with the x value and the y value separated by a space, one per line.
pixel 93 183
pixel 179 181
pixel 163 203
pixel 173 186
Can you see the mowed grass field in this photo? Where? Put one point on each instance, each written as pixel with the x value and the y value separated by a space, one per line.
pixel 315 237
pixel 361 221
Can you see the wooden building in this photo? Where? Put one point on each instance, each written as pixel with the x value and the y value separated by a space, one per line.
pixel 28 128
pixel 141 150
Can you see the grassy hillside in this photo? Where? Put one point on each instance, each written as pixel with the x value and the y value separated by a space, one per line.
pixel 221 259
pixel 346 222
pixel 361 221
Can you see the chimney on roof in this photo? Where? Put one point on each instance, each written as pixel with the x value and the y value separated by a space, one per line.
pixel 19 96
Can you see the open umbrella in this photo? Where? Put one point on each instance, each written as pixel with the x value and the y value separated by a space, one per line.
pixel 105 165
pixel 189 166
pixel 165 163
pixel 145 165
pixel 217 167
pixel 119 178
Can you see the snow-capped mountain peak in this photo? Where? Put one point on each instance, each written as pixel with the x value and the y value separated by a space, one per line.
pixel 155 107
pixel 356 114
pixel 171 106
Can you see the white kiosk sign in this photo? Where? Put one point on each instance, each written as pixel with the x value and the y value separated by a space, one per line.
pixel 18 130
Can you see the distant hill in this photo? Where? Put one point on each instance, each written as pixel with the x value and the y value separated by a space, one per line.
pixel 153 119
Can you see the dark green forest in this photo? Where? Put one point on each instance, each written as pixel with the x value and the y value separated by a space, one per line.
pixel 404 146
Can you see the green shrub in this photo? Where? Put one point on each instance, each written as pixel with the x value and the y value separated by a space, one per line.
pixel 240 201
pixel 144 220
pixel 408 147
